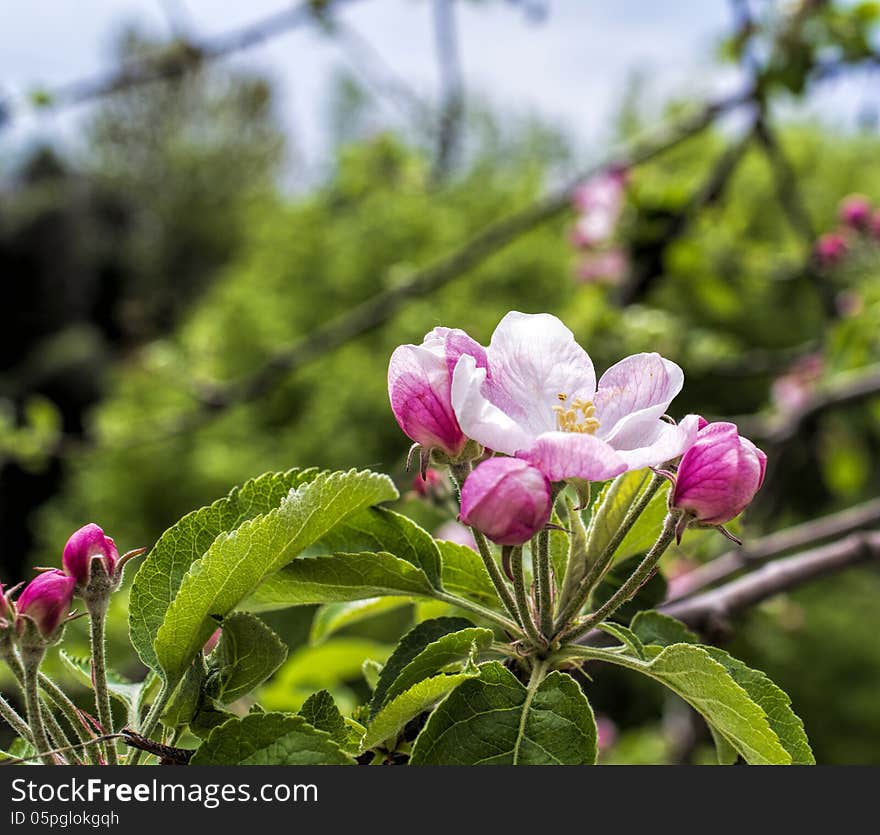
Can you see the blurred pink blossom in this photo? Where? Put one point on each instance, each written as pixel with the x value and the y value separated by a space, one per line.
pixel 606 733
pixel 599 201
pixel 792 390
pixel 456 532
pixel 855 211
pixel 609 266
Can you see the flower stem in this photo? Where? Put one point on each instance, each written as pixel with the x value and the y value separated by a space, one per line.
pixel 31 659
pixel 542 572
pixel 522 601
pixel 97 618
pixel 477 609
pixel 151 720
pixel 71 713
pixel 632 585
pixel 9 713
pixel 598 568
pixel 459 472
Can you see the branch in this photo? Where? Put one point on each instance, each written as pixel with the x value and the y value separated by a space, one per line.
pixel 791 539
pixel 708 611
pixel 187 55
pixel 451 87
pixel 380 308
pixel 844 391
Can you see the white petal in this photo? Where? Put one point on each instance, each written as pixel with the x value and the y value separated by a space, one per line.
pixel 478 417
pixel 534 358
pixel 653 443
pixel 635 390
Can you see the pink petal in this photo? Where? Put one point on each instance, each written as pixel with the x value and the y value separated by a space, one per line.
pixel 636 389
pixel 563 455
pixel 653 442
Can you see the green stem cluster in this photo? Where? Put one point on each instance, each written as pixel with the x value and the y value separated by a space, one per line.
pixel 97 618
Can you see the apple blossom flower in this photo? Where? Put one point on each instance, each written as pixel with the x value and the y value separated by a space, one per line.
pixel 507 499
pixel 855 211
pixel 599 201
pixel 605 266
pixel 831 248
pixel 45 601
pixel 419 379
pixel 718 475
pixel 537 399
pixel 85 545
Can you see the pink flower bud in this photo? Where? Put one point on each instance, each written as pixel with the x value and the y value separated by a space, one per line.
pixel 855 211
pixel 419 387
pixel 718 475
pixel 212 642
pixel 45 601
pixel 7 610
pixel 507 499
pixel 432 483
pixel 831 248
pixel 87 544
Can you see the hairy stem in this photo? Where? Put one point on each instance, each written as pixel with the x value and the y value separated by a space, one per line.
pixel 63 702
pixel 598 568
pixel 522 601
pixel 151 720
pixel 9 713
pixel 632 585
pixel 97 619
pixel 31 659
pixel 542 575
pixel 482 611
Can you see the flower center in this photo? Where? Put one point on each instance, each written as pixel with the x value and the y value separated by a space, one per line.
pixel 576 417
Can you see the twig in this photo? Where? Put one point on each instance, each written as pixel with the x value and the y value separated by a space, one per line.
pixel 846 390
pixel 171 64
pixel 451 87
pixel 810 533
pixel 707 611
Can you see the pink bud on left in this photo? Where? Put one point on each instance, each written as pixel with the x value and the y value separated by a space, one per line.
pixel 45 601
pixel 87 544
pixel 507 499
pixel 419 387
pixel 718 475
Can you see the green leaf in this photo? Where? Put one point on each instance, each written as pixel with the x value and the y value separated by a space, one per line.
pixel 188 698
pixel 774 701
pixel 337 579
pixel 649 595
pixel 610 509
pixel 161 573
pixel 656 628
pixel 237 562
pixel 371 670
pixel 626 636
pixel 704 683
pixel 332 617
pixel 726 753
pixel 247 653
pixel 123 690
pixel 321 712
pixel 465 575
pixel 395 715
pixel 409 647
pixel 379 529
pixel 325 666
pixel 269 739
pixel 643 534
pixel 495 720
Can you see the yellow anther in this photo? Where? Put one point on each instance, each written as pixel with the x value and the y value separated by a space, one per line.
pixel 562 397
pixel 570 420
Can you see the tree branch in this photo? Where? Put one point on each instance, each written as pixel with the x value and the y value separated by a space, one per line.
pixel 791 539
pixel 710 610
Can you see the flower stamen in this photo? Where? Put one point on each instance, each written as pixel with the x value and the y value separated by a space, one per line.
pixel 578 417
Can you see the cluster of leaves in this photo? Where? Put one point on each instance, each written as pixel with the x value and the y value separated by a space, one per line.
pixel 452 691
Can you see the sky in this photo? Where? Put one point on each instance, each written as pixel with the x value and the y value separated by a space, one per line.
pixel 570 68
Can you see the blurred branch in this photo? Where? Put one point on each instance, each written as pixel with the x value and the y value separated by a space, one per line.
pixel 800 536
pixel 381 307
pixel 451 87
pixel 187 55
pixel 651 261
pixel 846 390
pixel 710 611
